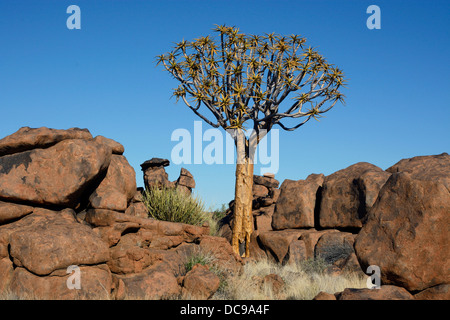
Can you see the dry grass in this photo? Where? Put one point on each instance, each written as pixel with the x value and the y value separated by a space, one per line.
pixel 299 284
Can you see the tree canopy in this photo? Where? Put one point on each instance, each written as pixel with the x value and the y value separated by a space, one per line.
pixel 240 77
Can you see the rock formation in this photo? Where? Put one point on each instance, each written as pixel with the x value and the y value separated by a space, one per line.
pixel 156 176
pixel 397 219
pixel 68 200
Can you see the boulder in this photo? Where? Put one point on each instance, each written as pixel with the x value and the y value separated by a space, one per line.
pixel 274 194
pixel 406 233
pixel 185 181
pixel 137 209
pixel 155 162
pixel 324 296
pixel 115 146
pixel 277 242
pixel 259 191
pixel 439 292
pixel 155 283
pixel 350 264
pixel 310 239
pixel 11 211
pixel 256 252
pixel 155 174
pixel 95 284
pixel 268 182
pixel 334 246
pixel 348 193
pixel 265 202
pixel 384 293
pixel 118 187
pixel 118 289
pixel 111 235
pixel 200 282
pixel 221 250
pixel 6 272
pixel 296 203
pixel 430 168
pixel 45 241
pixel 274 282
pixel 125 259
pixel 297 252
pixel 263 218
pixel 58 175
pixel 27 138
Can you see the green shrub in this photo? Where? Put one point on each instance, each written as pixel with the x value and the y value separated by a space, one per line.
pixel 214 217
pixel 314 265
pixel 199 257
pixel 335 252
pixel 219 214
pixel 176 206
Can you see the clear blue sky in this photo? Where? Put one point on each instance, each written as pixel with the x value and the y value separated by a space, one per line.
pixel 103 77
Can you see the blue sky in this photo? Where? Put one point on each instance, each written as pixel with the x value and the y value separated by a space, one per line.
pixel 103 77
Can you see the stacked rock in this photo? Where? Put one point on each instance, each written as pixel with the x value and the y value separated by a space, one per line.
pixel 265 196
pixel 185 181
pixel 156 176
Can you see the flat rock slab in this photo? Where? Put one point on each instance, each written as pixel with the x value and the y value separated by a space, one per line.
pixel 27 138
pixel 384 293
pixel 266 181
pixel 12 211
pixel 155 162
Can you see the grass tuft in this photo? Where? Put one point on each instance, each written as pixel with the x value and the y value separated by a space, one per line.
pixel 169 204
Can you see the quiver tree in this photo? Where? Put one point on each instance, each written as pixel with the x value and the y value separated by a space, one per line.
pixel 244 81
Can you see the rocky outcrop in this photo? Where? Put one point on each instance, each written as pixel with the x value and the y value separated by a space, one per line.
pixel 359 216
pixel 68 200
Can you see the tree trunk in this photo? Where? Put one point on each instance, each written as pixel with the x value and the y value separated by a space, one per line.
pixel 243 219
